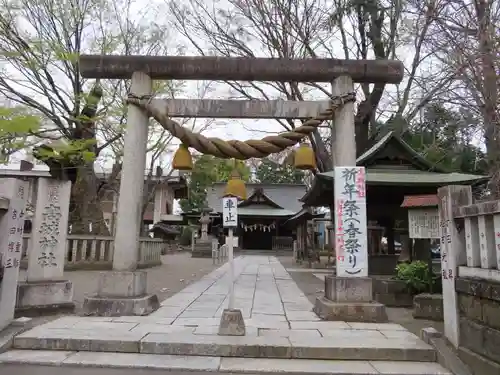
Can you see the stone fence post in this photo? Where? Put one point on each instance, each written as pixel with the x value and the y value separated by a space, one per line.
pixel 13 194
pixel 452 242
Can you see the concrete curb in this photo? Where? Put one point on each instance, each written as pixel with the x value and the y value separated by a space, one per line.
pixel 17 327
pixel 446 357
pixel 192 364
pixel 352 348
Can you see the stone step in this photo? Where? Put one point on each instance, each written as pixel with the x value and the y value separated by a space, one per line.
pixel 218 364
pixel 351 347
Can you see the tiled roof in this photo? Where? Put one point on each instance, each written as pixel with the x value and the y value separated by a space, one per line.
pixel 411 177
pixel 430 200
pixel 284 195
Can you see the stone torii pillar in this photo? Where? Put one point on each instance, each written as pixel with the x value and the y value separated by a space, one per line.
pixel 124 291
pixel 348 296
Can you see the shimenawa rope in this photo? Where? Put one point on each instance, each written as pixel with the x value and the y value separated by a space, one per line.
pixel 252 148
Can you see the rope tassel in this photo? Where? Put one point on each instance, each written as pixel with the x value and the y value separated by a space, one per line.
pixel 237 149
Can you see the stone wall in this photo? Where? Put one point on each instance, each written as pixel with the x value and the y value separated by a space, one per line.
pixel 383 264
pixel 479 313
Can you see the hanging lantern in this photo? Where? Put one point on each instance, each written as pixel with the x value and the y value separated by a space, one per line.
pixel 304 157
pixel 236 186
pixel 182 159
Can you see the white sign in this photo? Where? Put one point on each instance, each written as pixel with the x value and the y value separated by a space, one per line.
pixel 230 212
pixel 423 223
pixel 351 240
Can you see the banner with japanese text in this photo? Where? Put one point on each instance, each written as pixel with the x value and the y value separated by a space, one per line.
pixel 351 236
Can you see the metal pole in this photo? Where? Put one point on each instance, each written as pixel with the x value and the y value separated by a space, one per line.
pixel 231 269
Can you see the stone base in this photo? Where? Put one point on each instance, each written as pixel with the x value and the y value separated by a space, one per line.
pixel 121 293
pixel 232 323
pixel 348 289
pixel 367 312
pixel 392 293
pixel 39 298
pixel 202 250
pixel 428 306
pixel 132 306
pixel 88 336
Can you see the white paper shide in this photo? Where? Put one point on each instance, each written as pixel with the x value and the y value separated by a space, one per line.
pixel 351 242
pixel 230 212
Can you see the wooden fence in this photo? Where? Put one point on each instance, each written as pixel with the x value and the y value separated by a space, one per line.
pixel 96 252
pixel 282 243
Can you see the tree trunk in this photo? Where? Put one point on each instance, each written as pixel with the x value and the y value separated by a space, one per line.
pixel 86 214
pixel 488 89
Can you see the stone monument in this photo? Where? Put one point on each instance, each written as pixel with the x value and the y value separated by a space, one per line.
pixel 348 295
pixel 203 246
pixel 45 288
pixel 13 196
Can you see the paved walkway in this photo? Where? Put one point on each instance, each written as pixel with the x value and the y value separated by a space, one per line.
pixel 283 334
pixel 264 292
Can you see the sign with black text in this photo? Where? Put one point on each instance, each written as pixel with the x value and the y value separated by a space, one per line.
pixel 351 243
pixel 230 212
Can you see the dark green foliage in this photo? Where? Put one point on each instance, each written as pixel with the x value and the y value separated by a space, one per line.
pixel 417 277
pixel 272 172
pixel 185 237
pixel 445 137
pixel 208 169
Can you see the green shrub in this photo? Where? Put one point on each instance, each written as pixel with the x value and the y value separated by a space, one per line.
pixel 185 237
pixel 417 277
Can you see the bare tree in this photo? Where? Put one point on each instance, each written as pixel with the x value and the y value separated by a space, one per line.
pixel 41 41
pixel 465 36
pixel 313 29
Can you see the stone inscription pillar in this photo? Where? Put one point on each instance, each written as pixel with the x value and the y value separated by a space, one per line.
pixel 45 287
pixel 453 252
pixel 348 295
pixel 14 194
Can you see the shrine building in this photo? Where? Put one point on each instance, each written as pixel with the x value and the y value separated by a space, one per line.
pixel 268 219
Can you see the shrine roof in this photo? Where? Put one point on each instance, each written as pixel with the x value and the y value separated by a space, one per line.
pixel 393 147
pixel 429 200
pixel 262 210
pixel 305 214
pixel 321 192
pixel 404 177
pixel 285 196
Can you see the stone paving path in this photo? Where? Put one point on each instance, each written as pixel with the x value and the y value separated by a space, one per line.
pixel 264 291
pixel 283 334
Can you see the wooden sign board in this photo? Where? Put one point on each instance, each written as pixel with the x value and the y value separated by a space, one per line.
pixel 230 212
pixel 423 223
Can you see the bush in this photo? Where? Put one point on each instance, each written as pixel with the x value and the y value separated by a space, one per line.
pixel 418 278
pixel 185 237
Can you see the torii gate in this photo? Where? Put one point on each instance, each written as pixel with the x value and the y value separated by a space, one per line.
pixel 123 292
